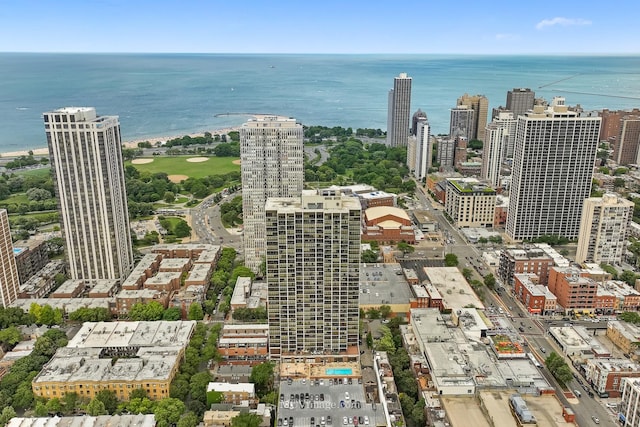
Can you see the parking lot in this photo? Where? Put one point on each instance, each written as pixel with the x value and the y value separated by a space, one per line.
pixel 324 402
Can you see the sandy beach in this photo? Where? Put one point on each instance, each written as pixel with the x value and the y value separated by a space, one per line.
pixel 128 144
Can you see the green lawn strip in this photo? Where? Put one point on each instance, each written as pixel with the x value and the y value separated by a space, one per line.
pixel 178 165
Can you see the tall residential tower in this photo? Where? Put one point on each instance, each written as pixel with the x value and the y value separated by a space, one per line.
pixel 271 166
pixel 554 155
pixel 520 100
pixel 88 174
pixel 313 273
pixel 603 229
pixel 480 106
pixel 9 279
pixel 399 112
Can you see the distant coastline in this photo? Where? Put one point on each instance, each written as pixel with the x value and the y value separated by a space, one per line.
pixel 179 94
pixel 43 151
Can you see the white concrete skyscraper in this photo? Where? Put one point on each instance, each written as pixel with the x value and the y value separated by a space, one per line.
pixel 603 229
pixel 9 280
pixel 423 151
pixel 313 274
pixel 554 155
pixel 271 166
pixel 499 135
pixel 88 174
pixel 399 112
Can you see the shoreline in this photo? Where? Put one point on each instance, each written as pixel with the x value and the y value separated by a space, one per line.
pixel 133 143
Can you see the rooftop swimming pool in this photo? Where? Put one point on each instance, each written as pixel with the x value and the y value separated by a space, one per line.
pixel 339 371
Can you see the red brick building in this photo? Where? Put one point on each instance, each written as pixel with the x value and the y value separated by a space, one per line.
pixel 388 224
pixel 518 261
pixel 573 290
pixel 605 374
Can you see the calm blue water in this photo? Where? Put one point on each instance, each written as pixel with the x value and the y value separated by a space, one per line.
pixel 338 371
pixel 176 94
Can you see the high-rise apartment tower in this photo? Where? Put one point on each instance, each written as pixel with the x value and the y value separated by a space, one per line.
pixel 271 166
pixel 423 151
pixel 313 273
pixel 520 100
pixel 603 229
pixel 480 106
pixel 9 279
pixel 499 137
pixel 88 174
pixel 554 155
pixel 399 112
pixel 462 122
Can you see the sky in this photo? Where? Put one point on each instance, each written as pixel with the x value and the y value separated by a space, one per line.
pixel 321 26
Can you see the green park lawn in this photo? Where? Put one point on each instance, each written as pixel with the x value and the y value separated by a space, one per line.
pixel 178 165
pixel 15 199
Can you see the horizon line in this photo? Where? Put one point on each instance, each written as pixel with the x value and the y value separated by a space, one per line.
pixel 604 54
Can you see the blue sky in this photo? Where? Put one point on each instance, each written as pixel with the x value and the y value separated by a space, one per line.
pixel 324 26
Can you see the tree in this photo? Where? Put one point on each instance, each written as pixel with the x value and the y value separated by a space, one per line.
pixel 369 256
pixel 150 311
pixel 629 277
pixel 168 411
pixel 195 311
pixel 610 269
pixel 373 313
pixel 405 248
pixel 71 401
pixel 188 420
pixel 467 273
pixel 262 377
pixel 23 397
pixel 10 336
pixel 140 405
pixel 96 407
pixel 86 314
pixel 172 313
pixel 198 386
pixel 169 196
pixel 54 406
pixel 385 311
pixel 451 260
pixel 475 144
pixel 7 413
pixel 563 374
pixel 182 229
pixel 109 399
pixel 246 419
pixel 558 368
pixel 490 281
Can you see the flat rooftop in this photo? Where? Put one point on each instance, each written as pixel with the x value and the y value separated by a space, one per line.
pixel 128 334
pixel 383 284
pixel 455 291
pixel 81 365
pixel 139 420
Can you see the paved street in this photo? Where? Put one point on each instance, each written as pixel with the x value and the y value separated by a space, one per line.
pixel 533 329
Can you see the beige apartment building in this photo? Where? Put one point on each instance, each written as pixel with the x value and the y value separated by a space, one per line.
pixel 313 274
pixel 469 203
pixel 603 229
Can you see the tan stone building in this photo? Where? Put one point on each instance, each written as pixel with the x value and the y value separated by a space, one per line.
pixel 116 356
pixel 470 203
pixel 625 336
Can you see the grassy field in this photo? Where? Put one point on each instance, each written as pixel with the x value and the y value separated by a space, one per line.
pixel 38 172
pixel 15 198
pixel 178 165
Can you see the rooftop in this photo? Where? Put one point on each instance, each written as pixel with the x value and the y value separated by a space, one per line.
pixel 127 334
pixel 139 420
pixel 453 287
